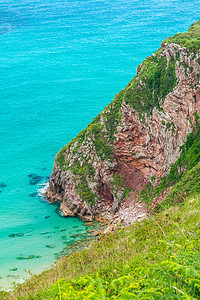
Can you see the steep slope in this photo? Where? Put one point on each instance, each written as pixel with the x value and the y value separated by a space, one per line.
pixel 137 137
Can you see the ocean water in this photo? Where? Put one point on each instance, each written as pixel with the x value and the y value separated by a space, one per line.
pixel 61 63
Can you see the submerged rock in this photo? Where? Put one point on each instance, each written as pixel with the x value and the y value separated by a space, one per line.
pixel 27 257
pixel 50 246
pixel 35 178
pixel 3 185
pixel 43 233
pixel 74 235
pixel 34 194
pixel 16 234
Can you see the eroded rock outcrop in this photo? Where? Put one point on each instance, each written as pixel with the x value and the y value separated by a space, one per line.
pixel 136 138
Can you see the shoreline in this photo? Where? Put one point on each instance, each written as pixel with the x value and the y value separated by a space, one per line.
pixel 82 242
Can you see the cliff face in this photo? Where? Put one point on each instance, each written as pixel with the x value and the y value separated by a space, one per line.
pixel 136 138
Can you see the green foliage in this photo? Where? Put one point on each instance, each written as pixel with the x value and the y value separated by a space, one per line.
pixel 112 116
pixel 154 259
pixel 170 126
pixel 174 277
pixel 60 159
pixel 147 194
pixel 190 39
pixel 103 149
pixel 85 169
pixel 82 187
pixel 153 82
pixel 188 185
pixel 85 192
pixel 119 183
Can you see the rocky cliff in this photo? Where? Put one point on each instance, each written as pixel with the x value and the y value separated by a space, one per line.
pixel 136 138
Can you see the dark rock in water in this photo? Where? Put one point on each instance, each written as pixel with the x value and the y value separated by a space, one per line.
pixel 14 269
pixel 74 235
pixel 19 234
pixel 62 230
pixel 35 178
pixel 75 226
pixel 2 185
pixel 31 175
pixel 34 194
pixel 50 246
pixel 56 226
pixel 42 233
pixel 47 217
pixel 28 257
pixel 16 234
pixel 0 191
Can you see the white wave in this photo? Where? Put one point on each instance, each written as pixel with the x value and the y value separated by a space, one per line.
pixel 43 188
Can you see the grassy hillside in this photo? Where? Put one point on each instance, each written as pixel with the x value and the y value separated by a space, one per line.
pixel 155 259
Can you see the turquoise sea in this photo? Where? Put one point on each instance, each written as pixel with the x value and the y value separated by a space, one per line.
pixel 61 63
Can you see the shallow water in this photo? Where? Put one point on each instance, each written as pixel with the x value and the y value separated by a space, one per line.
pixel 61 63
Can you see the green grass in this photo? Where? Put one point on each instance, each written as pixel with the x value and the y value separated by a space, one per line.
pixel 190 39
pixel 188 185
pixel 81 174
pixel 151 85
pixel 120 185
pixel 155 259
pixel 190 156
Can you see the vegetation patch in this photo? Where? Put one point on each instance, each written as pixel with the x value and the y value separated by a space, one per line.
pixel 154 259
pixel 82 187
pixel 189 40
pixel 120 184
pixel 153 82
